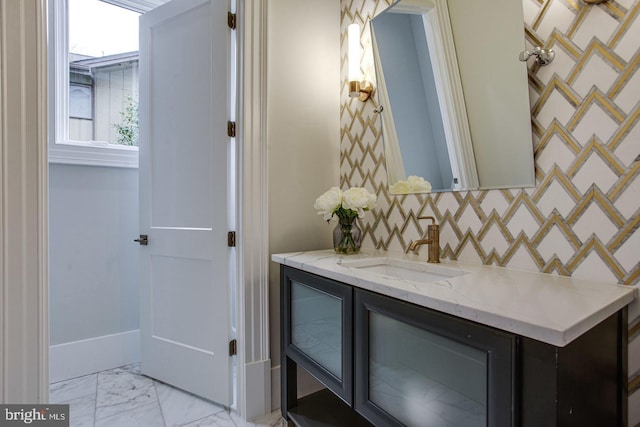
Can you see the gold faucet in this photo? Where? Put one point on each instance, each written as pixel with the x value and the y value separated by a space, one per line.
pixel 433 240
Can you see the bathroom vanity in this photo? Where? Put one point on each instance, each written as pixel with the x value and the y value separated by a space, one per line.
pixel 397 341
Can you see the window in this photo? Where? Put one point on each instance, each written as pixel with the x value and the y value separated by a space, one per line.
pixel 80 101
pixel 94 85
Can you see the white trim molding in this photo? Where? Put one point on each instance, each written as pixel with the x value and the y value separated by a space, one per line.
pixel 61 149
pixel 254 364
pixel 449 87
pixel 140 6
pixel 24 334
pixel 78 358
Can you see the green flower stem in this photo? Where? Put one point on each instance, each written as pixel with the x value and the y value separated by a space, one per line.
pixel 347 244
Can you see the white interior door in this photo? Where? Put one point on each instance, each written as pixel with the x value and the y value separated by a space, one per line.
pixel 184 196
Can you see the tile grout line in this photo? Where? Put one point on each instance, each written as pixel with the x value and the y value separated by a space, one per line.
pixel 95 400
pixel 164 422
pixel 202 418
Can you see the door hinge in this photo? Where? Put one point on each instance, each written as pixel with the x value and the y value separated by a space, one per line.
pixel 231 20
pixel 231 239
pixel 233 347
pixel 231 129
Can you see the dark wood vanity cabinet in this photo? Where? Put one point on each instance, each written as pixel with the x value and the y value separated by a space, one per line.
pixel 581 384
pixel 386 362
pixel 317 329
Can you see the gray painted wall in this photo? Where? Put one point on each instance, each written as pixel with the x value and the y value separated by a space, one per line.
pixel 303 121
pixel 93 262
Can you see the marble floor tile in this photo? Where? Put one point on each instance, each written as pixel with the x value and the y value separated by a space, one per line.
pixel 134 368
pixel 122 397
pixel 64 391
pixel 120 390
pixel 179 408
pixel 272 420
pixel 219 419
pixel 141 416
pixel 82 411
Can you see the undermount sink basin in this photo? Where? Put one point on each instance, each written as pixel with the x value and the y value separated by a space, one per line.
pixel 401 269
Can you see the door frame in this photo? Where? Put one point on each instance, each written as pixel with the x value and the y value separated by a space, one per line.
pixel 254 363
pixel 24 298
pixel 24 335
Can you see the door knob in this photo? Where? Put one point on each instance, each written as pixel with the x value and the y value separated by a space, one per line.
pixel 143 240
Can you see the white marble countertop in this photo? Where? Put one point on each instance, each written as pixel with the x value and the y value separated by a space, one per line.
pixel 549 308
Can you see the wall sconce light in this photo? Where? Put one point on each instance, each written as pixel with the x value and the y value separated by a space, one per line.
pixel 543 56
pixel 358 88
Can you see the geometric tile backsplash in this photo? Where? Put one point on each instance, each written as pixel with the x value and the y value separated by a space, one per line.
pixel 582 219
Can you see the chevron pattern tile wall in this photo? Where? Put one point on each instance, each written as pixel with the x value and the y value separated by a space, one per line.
pixel 582 219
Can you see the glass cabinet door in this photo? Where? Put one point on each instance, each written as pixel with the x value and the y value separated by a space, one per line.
pixel 421 378
pixel 417 367
pixel 318 329
pixel 316 326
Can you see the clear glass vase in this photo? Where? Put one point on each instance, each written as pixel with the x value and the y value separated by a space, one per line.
pixel 347 236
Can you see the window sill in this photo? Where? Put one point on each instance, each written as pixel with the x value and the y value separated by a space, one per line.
pixel 94 154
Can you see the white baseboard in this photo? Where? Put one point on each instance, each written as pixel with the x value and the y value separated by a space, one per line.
pixel 78 358
pixel 258 389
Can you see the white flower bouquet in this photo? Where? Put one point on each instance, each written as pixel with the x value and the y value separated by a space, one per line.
pixel 350 203
pixel 413 184
pixel 347 206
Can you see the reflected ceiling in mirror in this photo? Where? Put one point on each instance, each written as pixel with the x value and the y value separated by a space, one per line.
pixel 455 114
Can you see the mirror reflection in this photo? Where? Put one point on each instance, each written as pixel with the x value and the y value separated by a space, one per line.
pixel 453 117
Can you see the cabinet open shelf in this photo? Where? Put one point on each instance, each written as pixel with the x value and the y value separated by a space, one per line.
pixel 323 408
